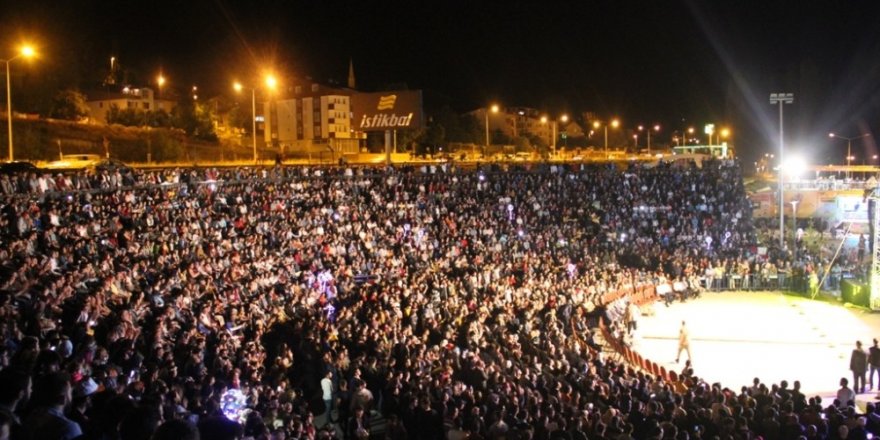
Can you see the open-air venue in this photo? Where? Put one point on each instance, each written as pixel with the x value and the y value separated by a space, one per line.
pixel 439 220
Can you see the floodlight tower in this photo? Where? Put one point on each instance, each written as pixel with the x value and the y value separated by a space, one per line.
pixel 781 99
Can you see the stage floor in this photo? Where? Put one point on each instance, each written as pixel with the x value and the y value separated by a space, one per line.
pixel 737 336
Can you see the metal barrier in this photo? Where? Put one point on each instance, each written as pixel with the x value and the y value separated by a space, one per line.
pixel 779 281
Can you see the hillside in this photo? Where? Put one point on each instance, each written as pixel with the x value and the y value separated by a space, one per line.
pixel 44 140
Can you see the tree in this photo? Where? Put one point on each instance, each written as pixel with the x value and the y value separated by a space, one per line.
pixel 240 117
pixel 158 119
pixel 128 116
pixel 522 144
pixel 500 138
pixel 408 137
pixel 435 134
pixel 69 104
pixel 194 119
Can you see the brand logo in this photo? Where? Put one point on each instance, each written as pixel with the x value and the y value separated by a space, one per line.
pixel 386 121
pixel 386 102
pixel 386 110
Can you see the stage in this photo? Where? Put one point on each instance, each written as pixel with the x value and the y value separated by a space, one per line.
pixel 737 336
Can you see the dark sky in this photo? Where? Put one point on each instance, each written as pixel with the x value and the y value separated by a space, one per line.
pixel 675 62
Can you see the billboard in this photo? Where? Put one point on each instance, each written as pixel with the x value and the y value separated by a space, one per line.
pixel 392 110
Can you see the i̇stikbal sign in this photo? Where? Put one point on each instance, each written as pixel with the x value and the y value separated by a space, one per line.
pixel 392 110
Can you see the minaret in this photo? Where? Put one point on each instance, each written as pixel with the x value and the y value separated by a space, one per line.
pixel 351 83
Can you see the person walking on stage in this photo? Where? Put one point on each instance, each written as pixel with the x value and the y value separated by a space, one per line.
pixel 684 342
pixel 858 364
pixel 874 365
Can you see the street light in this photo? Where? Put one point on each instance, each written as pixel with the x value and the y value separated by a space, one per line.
pixel 493 109
pixel 160 82
pixel 545 120
pixel 781 99
pixel 26 52
pixel 655 128
pixel 270 83
pixel 614 124
pixel 849 156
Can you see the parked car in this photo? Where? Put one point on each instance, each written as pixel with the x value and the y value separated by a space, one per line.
pixel 110 165
pixel 74 162
pixel 18 167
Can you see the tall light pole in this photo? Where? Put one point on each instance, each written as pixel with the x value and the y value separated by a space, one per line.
pixel 794 204
pixel 271 82
pixel 648 133
pixel 781 99
pixel 564 119
pixel 849 156
pixel 160 82
pixel 27 52
pixel 493 109
pixel 614 124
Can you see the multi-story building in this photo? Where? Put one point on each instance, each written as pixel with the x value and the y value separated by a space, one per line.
pixel 141 99
pixel 315 119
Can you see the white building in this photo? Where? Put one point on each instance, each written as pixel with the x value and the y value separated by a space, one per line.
pixel 142 99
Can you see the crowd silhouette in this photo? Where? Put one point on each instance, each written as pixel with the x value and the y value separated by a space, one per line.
pixel 446 303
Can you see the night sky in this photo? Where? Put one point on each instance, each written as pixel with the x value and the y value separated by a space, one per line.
pixel 679 63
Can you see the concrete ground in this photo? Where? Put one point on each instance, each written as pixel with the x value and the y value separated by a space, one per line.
pixel 737 336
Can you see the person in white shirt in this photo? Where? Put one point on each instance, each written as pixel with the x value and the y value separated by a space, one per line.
pixel 327 394
pixel 845 394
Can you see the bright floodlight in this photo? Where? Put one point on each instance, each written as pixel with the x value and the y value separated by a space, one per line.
pixel 564 118
pixel 543 119
pixel 160 80
pixel 27 51
pixel 495 108
pixel 794 166
pixel 596 124
pixel 271 82
pixel 615 123
pixel 237 86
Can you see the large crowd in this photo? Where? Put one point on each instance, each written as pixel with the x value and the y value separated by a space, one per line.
pixel 449 303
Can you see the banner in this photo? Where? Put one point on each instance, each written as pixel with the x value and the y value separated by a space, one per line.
pixel 392 110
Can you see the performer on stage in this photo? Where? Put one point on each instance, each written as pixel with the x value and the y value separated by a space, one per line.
pixel 684 342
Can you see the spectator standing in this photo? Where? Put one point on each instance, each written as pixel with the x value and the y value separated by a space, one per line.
pixel 858 364
pixel 874 364
pixel 51 394
pixel 327 394
pixel 16 388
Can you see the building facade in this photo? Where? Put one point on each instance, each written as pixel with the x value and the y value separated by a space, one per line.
pixel 141 99
pixel 317 119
